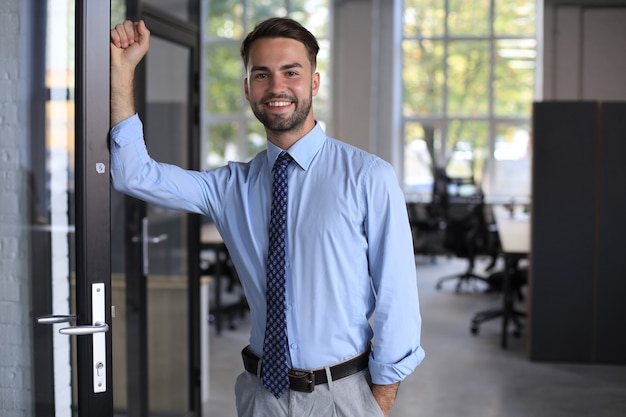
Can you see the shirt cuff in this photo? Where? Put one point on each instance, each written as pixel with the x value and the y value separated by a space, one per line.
pixel 127 131
pixel 384 373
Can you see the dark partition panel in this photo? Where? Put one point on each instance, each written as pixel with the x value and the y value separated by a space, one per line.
pixel 563 235
pixel 611 283
pixel 577 276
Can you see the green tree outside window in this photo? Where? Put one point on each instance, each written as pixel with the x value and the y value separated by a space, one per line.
pixel 468 72
pixel 230 130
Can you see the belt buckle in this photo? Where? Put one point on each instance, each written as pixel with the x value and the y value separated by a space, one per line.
pixel 304 375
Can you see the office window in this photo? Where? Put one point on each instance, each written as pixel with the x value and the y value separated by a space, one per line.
pixel 230 132
pixel 468 77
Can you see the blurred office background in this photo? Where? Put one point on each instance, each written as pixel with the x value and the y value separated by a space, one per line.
pixel 447 91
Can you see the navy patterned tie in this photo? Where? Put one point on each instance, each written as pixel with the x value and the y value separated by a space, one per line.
pixel 275 368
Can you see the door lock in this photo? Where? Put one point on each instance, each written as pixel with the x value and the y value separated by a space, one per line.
pixel 97 329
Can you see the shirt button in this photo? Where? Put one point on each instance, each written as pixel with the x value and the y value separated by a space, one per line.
pixel 294 346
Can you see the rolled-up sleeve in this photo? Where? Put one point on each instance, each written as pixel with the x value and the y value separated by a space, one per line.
pixel 397 346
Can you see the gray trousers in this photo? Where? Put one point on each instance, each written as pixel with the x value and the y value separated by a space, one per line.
pixel 348 397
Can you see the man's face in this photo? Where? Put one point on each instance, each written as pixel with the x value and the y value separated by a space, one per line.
pixel 280 84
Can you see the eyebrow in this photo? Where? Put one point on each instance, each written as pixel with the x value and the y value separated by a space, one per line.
pixel 282 68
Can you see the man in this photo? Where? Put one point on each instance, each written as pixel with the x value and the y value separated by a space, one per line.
pixel 343 252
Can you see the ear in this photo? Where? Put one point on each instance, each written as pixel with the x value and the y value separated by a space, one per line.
pixel 315 83
pixel 245 88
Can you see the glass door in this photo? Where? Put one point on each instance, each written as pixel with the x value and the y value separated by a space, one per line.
pixel 71 228
pixel 116 281
pixel 156 341
pixel 166 113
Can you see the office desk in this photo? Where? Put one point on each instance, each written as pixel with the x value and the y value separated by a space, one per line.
pixel 219 268
pixel 514 234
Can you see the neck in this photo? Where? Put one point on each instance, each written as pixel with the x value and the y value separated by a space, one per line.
pixel 284 140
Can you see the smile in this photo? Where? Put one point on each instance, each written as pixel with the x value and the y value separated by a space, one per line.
pixel 279 103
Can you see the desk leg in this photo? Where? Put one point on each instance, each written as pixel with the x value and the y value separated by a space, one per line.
pixel 508 307
pixel 219 271
pixel 506 299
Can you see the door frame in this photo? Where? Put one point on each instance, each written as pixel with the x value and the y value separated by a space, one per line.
pixel 92 177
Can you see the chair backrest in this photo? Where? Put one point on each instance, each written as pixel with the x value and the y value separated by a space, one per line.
pixel 424 216
pixel 465 228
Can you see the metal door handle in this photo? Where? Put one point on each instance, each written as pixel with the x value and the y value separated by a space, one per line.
pixel 97 327
pixel 151 239
pixel 55 318
pixel 144 239
pixel 157 239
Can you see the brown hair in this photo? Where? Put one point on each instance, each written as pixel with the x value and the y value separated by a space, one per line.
pixel 281 27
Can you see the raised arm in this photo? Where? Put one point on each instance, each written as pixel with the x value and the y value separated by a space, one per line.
pixel 129 44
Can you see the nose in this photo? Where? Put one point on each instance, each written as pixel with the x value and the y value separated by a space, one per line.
pixel 277 84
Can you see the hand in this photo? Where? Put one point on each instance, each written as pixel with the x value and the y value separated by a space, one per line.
pixel 385 396
pixel 129 44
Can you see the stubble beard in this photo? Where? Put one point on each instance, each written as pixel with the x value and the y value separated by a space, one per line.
pixel 281 123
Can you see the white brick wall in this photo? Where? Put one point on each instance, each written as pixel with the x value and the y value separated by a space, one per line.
pixel 15 322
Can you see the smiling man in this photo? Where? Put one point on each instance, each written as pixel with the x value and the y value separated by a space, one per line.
pixel 317 230
pixel 281 95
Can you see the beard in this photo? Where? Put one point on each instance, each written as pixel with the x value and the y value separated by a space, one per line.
pixel 283 122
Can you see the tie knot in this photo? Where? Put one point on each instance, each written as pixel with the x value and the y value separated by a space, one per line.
pixel 282 161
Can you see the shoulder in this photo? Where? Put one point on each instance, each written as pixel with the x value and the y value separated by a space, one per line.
pixel 354 154
pixel 368 163
pixel 247 167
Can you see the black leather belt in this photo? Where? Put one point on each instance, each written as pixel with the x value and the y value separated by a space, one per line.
pixel 305 380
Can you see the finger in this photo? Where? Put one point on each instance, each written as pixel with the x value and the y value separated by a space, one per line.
pixel 141 30
pixel 117 35
pixel 131 33
pixel 115 38
pixel 123 34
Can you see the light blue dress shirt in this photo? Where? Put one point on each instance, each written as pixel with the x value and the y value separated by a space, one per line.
pixel 350 264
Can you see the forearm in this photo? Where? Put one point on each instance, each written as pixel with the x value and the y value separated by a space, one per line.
pixel 385 396
pixel 122 95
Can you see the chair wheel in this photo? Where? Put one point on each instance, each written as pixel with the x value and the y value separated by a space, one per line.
pixel 438 286
pixel 474 329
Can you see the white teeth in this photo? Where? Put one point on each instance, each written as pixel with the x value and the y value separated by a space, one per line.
pixel 278 103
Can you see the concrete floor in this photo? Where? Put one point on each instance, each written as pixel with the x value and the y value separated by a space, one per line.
pixel 462 375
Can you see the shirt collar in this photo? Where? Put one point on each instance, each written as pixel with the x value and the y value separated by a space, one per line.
pixel 303 151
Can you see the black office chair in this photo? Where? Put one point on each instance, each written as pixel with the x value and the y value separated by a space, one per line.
pixel 492 246
pixel 512 290
pixel 466 236
pixel 227 300
pixel 426 227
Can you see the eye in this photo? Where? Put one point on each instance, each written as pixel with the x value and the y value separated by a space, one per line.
pixel 292 74
pixel 261 76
